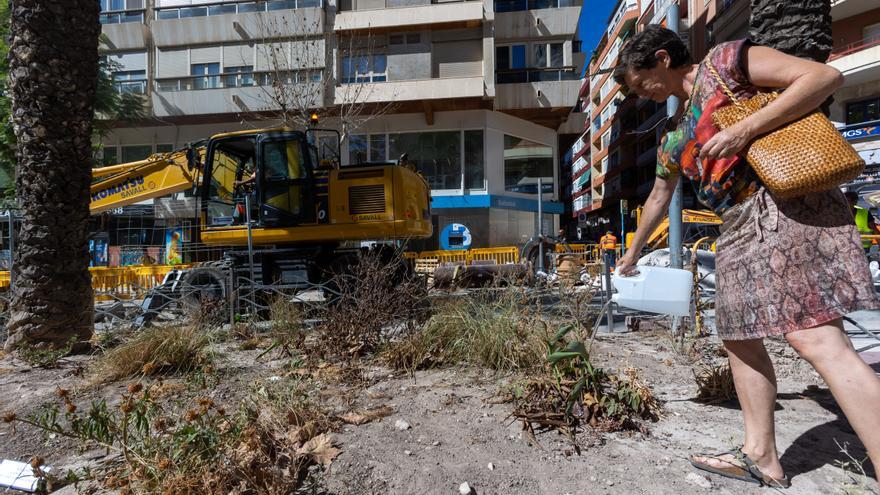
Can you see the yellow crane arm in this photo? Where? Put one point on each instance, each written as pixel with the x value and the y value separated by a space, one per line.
pixel 660 235
pixel 128 183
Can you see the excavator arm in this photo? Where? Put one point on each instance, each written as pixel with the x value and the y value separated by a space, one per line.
pixel 660 236
pixel 128 183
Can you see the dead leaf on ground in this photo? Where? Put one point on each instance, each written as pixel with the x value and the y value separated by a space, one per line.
pixel 320 449
pixel 300 434
pixel 363 417
pixel 378 395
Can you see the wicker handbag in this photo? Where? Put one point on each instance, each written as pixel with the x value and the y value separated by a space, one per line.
pixel 804 156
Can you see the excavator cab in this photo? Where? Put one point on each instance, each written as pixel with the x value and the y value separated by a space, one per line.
pixel 273 169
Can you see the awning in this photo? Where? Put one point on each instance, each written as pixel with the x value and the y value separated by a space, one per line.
pixel 583 179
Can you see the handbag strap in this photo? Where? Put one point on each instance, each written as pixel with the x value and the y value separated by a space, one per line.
pixel 720 81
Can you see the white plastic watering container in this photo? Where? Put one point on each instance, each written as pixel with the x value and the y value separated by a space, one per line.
pixel 655 289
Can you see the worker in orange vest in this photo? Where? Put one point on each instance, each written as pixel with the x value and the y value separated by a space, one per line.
pixel 608 244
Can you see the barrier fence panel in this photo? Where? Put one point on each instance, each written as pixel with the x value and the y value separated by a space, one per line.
pixel 125 282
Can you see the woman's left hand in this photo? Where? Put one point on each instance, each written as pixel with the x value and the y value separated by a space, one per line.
pixel 726 143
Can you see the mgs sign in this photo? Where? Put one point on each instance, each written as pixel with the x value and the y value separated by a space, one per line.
pixel 862 132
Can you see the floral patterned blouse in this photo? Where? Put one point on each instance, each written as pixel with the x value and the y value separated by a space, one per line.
pixel 720 183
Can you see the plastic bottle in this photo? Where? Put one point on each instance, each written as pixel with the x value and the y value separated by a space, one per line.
pixel 655 289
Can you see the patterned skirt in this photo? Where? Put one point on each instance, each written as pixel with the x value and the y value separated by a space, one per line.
pixel 787 264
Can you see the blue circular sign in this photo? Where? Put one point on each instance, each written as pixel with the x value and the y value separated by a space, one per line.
pixel 455 236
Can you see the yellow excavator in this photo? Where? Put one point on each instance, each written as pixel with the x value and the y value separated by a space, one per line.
pixel 301 212
pixel 659 238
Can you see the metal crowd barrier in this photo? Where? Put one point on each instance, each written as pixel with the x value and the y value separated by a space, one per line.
pixel 124 282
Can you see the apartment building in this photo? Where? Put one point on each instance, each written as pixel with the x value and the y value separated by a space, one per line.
pixel 856 106
pixel 476 92
pixel 578 159
pixel 610 139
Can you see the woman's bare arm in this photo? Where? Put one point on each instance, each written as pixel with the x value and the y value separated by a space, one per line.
pixel 807 84
pixel 655 209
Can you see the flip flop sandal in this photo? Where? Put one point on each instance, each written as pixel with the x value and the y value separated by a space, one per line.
pixel 748 471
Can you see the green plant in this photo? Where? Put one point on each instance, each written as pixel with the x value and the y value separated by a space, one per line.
pixel 577 392
pixel 45 357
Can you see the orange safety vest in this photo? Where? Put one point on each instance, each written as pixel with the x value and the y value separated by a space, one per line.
pixel 608 242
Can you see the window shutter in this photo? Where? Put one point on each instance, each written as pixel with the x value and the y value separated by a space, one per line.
pixel 458 59
pixel 172 63
pixel 238 55
pixel 130 61
pixel 205 55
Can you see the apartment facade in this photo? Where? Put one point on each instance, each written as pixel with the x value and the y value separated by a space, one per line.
pixel 856 106
pixel 475 92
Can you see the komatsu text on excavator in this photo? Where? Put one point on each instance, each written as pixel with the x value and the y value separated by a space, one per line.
pixel 302 211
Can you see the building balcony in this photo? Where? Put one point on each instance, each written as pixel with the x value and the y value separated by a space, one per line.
pixel 647 157
pixel 125 35
pixel 239 27
pixel 227 94
pixel 373 15
pixel 859 62
pixel 842 9
pixel 532 24
pixel 535 95
pixel 416 90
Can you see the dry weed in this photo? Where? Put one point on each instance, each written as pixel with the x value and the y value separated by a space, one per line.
pixel 499 331
pixel 714 383
pixel 264 446
pixel 155 349
pixel 378 295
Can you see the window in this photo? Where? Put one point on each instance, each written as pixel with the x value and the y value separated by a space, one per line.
pixel 547 55
pixel 111 155
pixel 403 39
pixel 474 165
pixel 524 162
pixel 510 57
pixel 863 111
pixel 870 32
pixel 357 149
pixel 364 68
pixel 230 160
pixel 328 149
pixel 281 4
pixel 164 148
pixel 193 12
pixel 437 155
pixel 539 55
pixel 131 81
pixel 210 71
pixel 135 153
pixel 121 11
pixel 113 5
pixel 221 9
pixel 377 147
pixel 239 76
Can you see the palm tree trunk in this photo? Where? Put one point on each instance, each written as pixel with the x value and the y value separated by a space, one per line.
pixel 801 28
pixel 53 65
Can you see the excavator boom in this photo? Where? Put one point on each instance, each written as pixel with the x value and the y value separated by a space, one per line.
pixel 159 175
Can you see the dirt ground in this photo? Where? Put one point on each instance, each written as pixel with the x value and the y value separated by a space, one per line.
pixel 458 434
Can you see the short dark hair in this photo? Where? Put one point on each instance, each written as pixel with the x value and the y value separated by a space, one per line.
pixel 639 52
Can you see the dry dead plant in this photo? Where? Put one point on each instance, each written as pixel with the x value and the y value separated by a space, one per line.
pixel 499 330
pixel 714 383
pixel 265 445
pixel 378 296
pixel 155 349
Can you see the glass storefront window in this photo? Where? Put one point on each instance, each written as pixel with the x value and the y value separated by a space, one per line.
pixel 357 149
pixel 474 164
pixel 437 155
pixel 524 162
pixel 377 147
